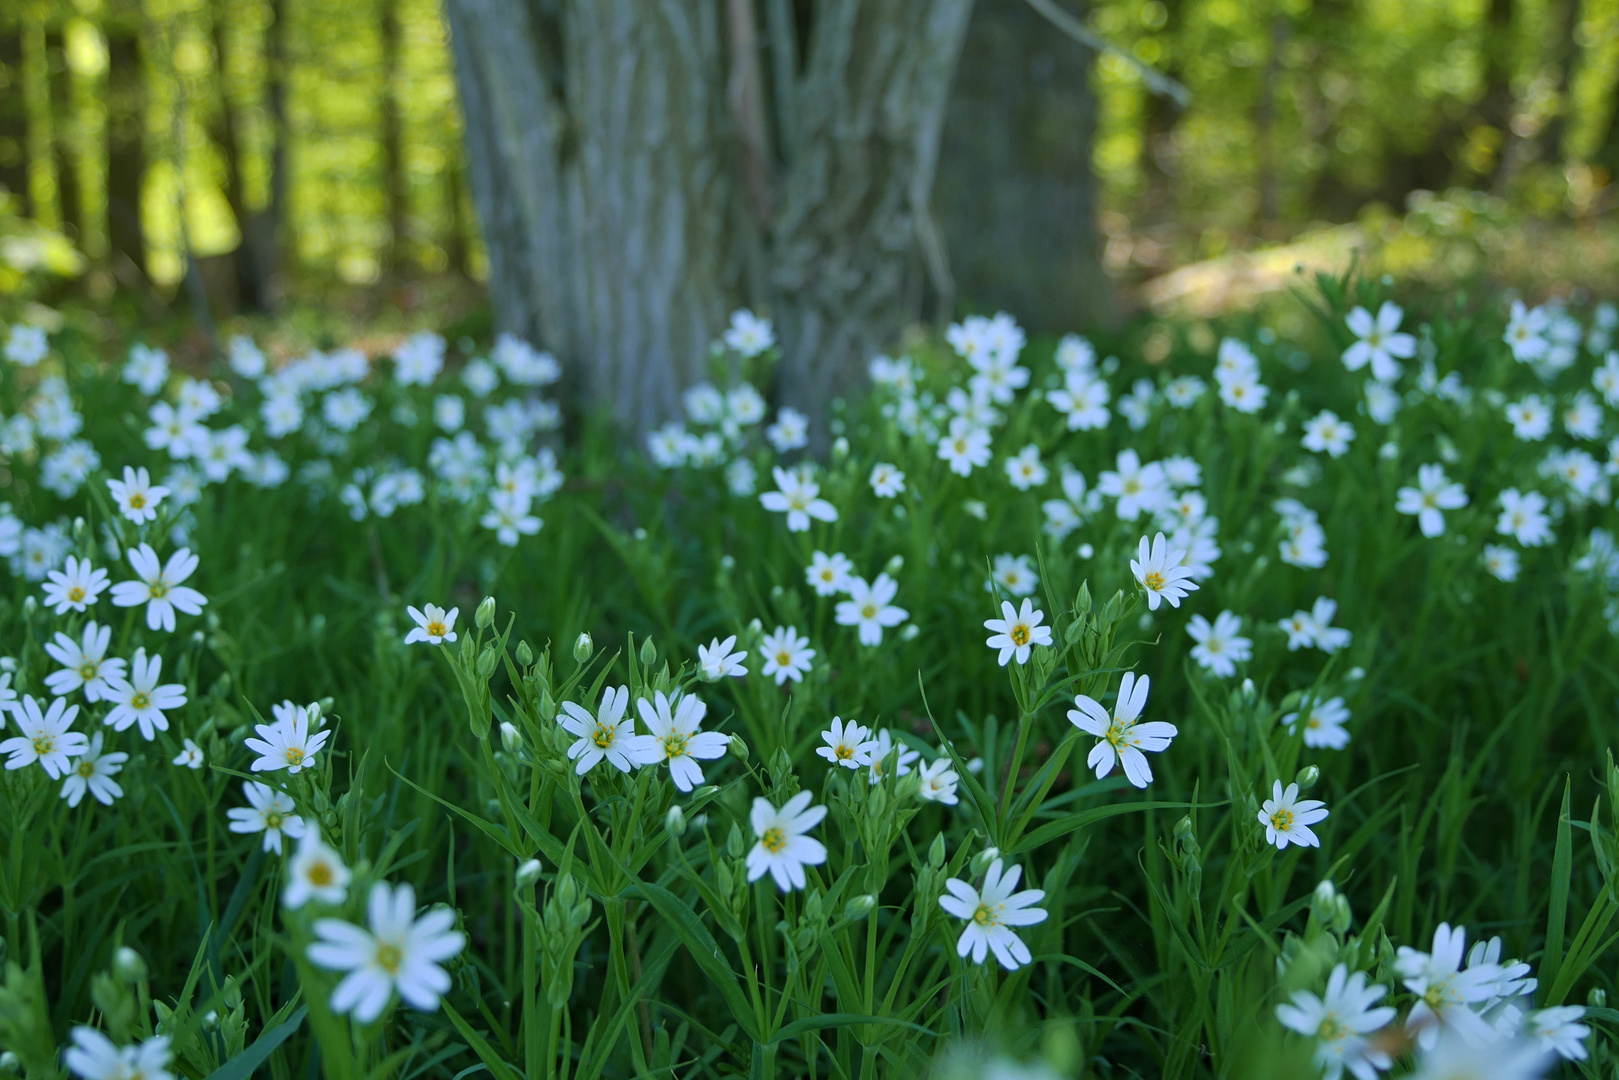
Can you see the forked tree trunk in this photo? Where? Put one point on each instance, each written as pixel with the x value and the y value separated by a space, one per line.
pixel 611 176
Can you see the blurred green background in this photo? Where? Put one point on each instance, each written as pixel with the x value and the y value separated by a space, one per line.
pixel 309 151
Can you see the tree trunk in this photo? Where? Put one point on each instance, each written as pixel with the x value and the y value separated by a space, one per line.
pixel 608 144
pixel 126 153
pixel 393 142
pixel 1016 196
pixel 254 260
pixel 13 114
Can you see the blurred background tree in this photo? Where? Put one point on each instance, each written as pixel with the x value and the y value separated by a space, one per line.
pixel 270 155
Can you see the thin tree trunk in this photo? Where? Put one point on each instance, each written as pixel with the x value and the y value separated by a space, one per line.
pixel 1016 197
pixel 393 153
pixel 126 153
pixel 606 158
pixel 1269 182
pixel 13 112
pixel 65 137
pixel 43 203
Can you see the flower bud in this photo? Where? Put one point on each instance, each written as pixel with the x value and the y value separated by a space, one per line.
pixel 860 906
pixel 583 648
pixel 567 891
pixel 734 844
pixel 1307 777
pixel 29 606
pixel 649 653
pixel 1342 917
pixel 813 907
pixel 984 859
pixel 1597 998
pixel 129 966
pixel 547 706
pixel 936 852
pixel 738 748
pixel 485 614
pixel 1183 828
pixel 528 873
pixel 1085 551
pixel 10 1063
pixel 525 655
pixel 486 663
pixel 910 632
pixel 894 565
pixel 674 822
pixel 840 448
pixel 1248 690
pixel 510 737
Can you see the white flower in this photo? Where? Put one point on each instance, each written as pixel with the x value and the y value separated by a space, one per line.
pixel 1488 1055
pixel 1123 737
pixel 1339 1021
pixel 990 914
pixel 1526 332
pixel 399 952
pixel 75 587
pixel 939 782
pixel 1014 573
pixel 140 700
pixel 886 480
pixel 1025 470
pixel 1382 403
pixel 748 334
pixel 1582 418
pixel 1017 631
pixel 288 743
pixel 1380 342
pixel 1559 1030
pixel 1219 647
pixel 847 744
pixel 798 499
pixel 1433 495
pixel 1501 562
pixel 1322 634
pixel 965 447
pixel 782 848
pixel 94 773
pixel 282 414
pixel 44 737
pixel 93 1056
pixel 1606 379
pixel 1530 417
pixel 787 656
pixel 887 746
pixel 609 734
pixel 84 664
pixel 1524 518
pixel 1068 513
pixel 1325 433
pixel 27 345
pixel 1323 724
pixel 789 432
pixel 1444 990
pixel 419 360
pixel 1162 572
pixel 868 608
pixel 246 359
pixel 509 517
pixel 136 496
pixel 676 737
pixel 1287 818
pixel 191 756
pixel 829 575
pixel 269 812
pixel 434 625
pixel 147 369
pixel 741 478
pixel 1138 487
pixel 1244 392
pixel 1083 397
pixel 716 661
pixel 315 872
pixel 1183 391
pixel 158 587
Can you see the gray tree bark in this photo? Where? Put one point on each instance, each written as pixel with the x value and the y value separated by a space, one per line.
pixel 634 187
pixel 1016 196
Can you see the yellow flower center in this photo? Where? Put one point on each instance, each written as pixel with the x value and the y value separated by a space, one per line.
pixel 435 629
pixel 88 669
pixel 44 744
pixel 675 745
pixel 86 769
pixel 274 819
pixel 76 593
pixel 604 736
pixel 320 875
pixel 295 756
pixel 140 700
pixel 1155 581
pixel 784 658
pixel 137 501
pixel 868 611
pixel 160 589
pixel 844 752
pixel 1330 1030
pixel 390 957
pixel 1019 634
pixel 986 916
pixel 1118 734
pixel 774 839
pixel 1282 820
